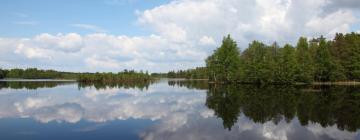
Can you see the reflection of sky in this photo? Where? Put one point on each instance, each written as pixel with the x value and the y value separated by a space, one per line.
pixel 176 113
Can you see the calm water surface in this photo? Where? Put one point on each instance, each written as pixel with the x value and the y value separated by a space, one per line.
pixel 176 110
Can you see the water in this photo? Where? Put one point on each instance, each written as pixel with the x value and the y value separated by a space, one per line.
pixel 176 110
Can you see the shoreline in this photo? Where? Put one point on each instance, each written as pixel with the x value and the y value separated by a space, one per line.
pixel 339 83
pixel 343 83
pixel 36 80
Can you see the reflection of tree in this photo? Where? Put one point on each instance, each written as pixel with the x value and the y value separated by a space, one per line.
pixel 190 84
pixel 32 85
pixel 127 85
pixel 332 105
pixel 51 84
pixel 224 100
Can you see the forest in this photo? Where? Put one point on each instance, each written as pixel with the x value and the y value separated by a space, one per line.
pixel 308 61
pixel 105 77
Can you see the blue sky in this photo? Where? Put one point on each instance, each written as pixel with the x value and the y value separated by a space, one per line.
pixel 26 18
pixel 155 35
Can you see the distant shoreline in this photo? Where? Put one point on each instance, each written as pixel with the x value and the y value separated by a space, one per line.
pixel 339 83
pixel 344 83
pixel 36 80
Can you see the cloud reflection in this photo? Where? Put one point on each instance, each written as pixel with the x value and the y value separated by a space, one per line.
pixel 180 113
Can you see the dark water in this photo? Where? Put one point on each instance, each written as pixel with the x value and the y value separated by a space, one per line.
pixel 176 110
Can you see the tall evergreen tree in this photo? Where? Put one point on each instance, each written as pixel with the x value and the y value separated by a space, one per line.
pixel 224 63
pixel 327 69
pixel 346 49
pixel 287 64
pixel 254 59
pixel 2 74
pixel 304 71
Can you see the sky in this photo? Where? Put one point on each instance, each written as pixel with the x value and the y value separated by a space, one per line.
pixel 155 35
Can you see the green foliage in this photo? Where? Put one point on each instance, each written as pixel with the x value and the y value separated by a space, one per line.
pixel 125 76
pixel 224 64
pixel 256 66
pixel 316 60
pixel 327 68
pixel 2 74
pixel 197 73
pixel 33 73
pixel 346 49
pixel 305 69
pixel 287 64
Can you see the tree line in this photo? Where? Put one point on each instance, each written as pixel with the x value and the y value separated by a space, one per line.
pixel 124 76
pixel 315 60
pixel 106 77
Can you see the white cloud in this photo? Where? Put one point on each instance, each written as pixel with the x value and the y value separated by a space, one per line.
pixel 206 40
pixel 31 52
pixel 247 20
pixel 184 33
pixel 339 21
pixel 95 61
pixel 100 52
pixel 69 43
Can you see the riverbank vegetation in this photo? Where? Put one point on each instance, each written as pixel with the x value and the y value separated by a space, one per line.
pixel 125 76
pixel 315 60
pixel 109 77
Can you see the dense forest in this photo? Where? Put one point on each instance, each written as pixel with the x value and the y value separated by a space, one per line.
pixel 312 60
pixel 33 73
pixel 125 76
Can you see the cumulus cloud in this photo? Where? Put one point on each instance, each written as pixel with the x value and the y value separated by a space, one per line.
pixel 98 52
pixel 339 21
pixel 246 20
pixel 184 33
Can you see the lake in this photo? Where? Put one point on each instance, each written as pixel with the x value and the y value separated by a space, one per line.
pixel 176 110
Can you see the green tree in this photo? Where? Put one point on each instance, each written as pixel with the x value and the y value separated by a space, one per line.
pixel 346 50
pixel 304 60
pixel 223 65
pixel 287 65
pixel 2 74
pixel 256 63
pixel 327 69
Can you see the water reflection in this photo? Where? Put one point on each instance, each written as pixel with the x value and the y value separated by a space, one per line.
pixel 176 110
pixel 127 85
pixel 331 106
pixel 32 85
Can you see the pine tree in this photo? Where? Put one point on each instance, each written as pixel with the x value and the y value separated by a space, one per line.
pixel 304 71
pixel 327 69
pixel 255 66
pixel 224 63
pixel 287 64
